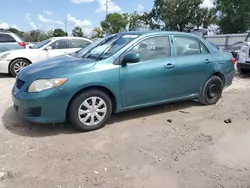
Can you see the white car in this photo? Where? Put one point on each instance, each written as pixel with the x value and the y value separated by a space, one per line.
pixel 243 59
pixel 15 60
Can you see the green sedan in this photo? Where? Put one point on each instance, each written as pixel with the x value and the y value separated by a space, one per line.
pixel 122 72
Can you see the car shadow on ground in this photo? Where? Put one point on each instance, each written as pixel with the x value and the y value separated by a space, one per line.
pixel 15 125
pixel 4 76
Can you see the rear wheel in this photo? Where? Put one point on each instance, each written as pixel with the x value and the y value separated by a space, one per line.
pixel 211 91
pixel 90 110
pixel 17 65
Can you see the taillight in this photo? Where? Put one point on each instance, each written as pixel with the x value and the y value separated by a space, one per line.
pixel 21 44
pixel 233 60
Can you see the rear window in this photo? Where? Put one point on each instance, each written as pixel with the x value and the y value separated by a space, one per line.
pixel 6 38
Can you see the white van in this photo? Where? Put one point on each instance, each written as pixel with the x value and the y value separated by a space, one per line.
pixel 243 59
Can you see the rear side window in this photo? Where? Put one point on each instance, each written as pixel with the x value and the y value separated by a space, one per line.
pixel 78 43
pixel 60 44
pixel 189 46
pixel 6 38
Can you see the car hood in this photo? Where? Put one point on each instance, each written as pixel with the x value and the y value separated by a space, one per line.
pixel 55 67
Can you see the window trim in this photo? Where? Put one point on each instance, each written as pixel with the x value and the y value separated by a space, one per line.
pixel 192 38
pixel 119 59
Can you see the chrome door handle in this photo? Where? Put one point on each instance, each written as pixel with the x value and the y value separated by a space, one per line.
pixel 169 66
pixel 207 61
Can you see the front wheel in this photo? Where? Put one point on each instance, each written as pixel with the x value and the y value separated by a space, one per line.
pixel 17 65
pixel 211 91
pixel 90 110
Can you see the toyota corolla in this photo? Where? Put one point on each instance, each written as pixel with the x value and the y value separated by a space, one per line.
pixel 122 72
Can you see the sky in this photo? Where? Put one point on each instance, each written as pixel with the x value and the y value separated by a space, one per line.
pixel 27 15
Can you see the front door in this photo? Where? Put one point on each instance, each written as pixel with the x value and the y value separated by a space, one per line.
pixel 194 65
pixel 149 80
pixel 58 47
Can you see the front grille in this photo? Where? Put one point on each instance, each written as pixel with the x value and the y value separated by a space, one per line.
pixel 19 83
pixel 34 112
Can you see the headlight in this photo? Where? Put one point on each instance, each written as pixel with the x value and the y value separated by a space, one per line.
pixel 43 84
pixel 4 56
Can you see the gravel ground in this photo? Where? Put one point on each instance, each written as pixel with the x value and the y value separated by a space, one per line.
pixel 175 145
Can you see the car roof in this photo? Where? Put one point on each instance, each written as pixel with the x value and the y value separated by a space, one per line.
pixel 155 32
pixel 82 38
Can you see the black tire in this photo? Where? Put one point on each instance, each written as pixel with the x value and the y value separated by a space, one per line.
pixel 243 71
pixel 13 64
pixel 211 91
pixel 76 103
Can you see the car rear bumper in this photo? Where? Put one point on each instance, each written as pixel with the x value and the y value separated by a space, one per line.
pixel 229 78
pixel 245 65
pixel 4 66
pixel 44 107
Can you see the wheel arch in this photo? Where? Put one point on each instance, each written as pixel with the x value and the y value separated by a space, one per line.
pixel 97 87
pixel 221 76
pixel 17 59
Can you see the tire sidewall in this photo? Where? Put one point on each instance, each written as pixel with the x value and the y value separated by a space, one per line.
pixel 12 71
pixel 204 98
pixel 74 106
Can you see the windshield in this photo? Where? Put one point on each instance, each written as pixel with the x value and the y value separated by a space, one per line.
pixel 105 47
pixel 41 44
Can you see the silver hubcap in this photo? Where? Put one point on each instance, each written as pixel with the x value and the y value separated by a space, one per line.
pixel 92 111
pixel 19 66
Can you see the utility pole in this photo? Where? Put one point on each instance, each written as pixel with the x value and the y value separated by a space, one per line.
pixel 66 26
pixel 106 8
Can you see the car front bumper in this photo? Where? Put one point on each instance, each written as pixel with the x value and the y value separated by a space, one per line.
pixel 48 106
pixel 4 66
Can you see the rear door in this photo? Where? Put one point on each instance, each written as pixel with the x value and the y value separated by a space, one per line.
pixel 194 65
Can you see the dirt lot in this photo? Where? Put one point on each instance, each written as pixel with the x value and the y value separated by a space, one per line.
pixel 138 149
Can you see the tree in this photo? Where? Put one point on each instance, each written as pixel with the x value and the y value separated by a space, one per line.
pixel 205 17
pixel 98 32
pixel 135 22
pixel 233 15
pixel 26 36
pixel 77 32
pixel 175 14
pixel 59 33
pixel 114 23
pixel 34 34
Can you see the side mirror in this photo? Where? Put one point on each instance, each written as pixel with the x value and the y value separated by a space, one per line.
pixel 130 58
pixel 48 48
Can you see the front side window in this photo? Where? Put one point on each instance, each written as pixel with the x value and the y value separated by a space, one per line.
pixel 60 44
pixel 189 46
pixel 107 47
pixel 153 48
pixel 78 43
pixel 6 38
pixel 41 44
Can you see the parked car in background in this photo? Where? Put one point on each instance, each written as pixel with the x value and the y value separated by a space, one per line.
pixel 10 41
pixel 121 72
pixel 243 58
pixel 14 61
